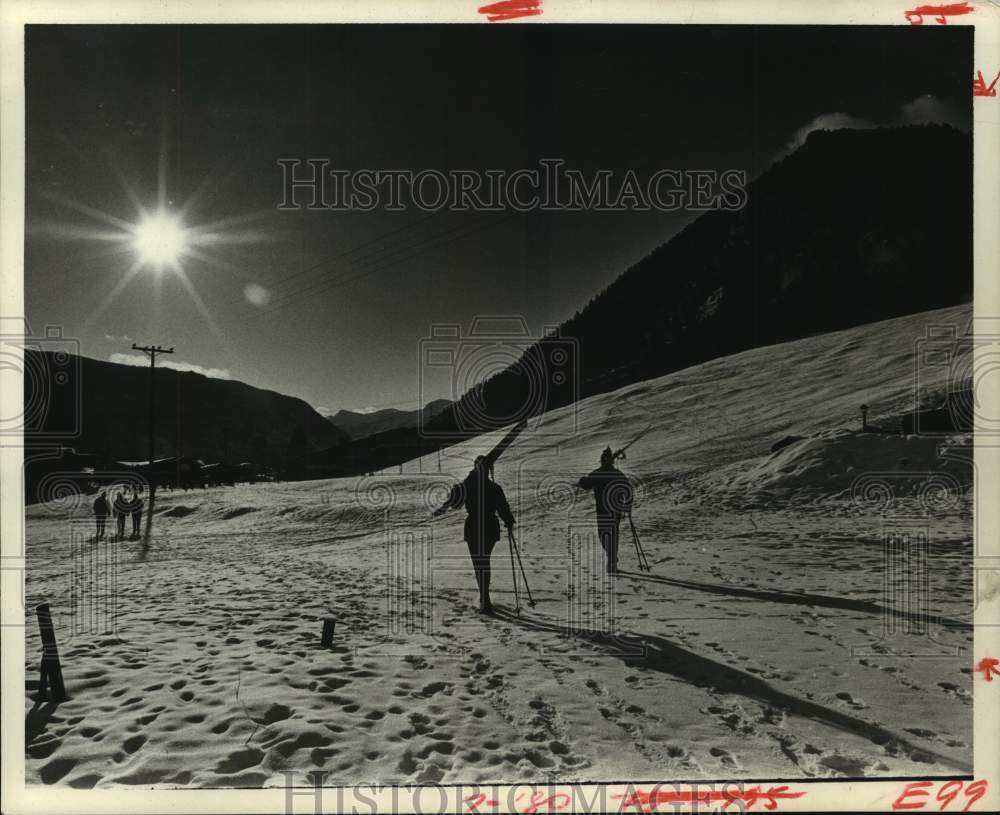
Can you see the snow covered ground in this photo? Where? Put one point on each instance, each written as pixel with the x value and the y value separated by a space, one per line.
pixel 772 639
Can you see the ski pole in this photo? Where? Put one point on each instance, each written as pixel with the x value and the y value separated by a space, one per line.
pixel 638 544
pixel 639 551
pixel 524 577
pixel 513 574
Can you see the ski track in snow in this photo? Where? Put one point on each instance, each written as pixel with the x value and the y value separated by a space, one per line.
pixel 751 650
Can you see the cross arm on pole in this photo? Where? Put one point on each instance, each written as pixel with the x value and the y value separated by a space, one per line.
pixel 152 350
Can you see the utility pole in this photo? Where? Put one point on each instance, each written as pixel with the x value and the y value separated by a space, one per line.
pixel 151 351
pixel 177 432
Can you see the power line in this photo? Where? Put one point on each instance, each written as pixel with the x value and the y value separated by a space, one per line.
pixel 340 255
pixel 320 285
pixel 434 242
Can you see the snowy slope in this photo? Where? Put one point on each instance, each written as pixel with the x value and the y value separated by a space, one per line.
pixel 757 647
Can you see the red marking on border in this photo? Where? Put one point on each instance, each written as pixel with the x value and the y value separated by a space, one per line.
pixel 915 16
pixel 479 799
pixel 988 665
pixel 511 10
pixel 540 800
pixel 917 795
pixel 648 801
pixel 948 793
pixel 915 789
pixel 975 791
pixel 980 88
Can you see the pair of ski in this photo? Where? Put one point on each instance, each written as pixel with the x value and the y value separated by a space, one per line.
pixel 640 553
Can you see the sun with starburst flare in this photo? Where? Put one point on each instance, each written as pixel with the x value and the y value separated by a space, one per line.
pixel 161 240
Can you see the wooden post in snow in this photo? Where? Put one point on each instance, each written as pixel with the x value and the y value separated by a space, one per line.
pixel 51 671
pixel 327 639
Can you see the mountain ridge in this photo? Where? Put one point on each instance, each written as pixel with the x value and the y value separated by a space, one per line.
pixel 358 425
pixel 802 257
pixel 101 407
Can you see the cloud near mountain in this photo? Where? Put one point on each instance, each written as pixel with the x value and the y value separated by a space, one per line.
pixel 826 121
pixel 139 359
pixel 925 109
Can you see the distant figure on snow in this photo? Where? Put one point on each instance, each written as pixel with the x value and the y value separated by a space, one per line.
pixel 484 501
pixel 135 507
pixel 120 505
pixel 613 499
pixel 101 512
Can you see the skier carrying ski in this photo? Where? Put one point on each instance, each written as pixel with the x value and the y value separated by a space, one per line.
pixel 135 509
pixel 120 505
pixel 613 499
pixel 101 512
pixel 484 500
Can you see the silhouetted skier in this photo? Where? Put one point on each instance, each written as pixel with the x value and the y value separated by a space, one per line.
pixel 101 512
pixel 484 501
pixel 135 507
pixel 120 506
pixel 613 498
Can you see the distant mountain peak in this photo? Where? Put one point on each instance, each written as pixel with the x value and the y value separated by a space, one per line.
pixel 360 424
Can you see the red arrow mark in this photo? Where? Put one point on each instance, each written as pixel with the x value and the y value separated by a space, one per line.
pixel 988 666
pixel 980 88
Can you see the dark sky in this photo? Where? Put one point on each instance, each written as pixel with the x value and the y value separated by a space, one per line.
pixel 227 102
